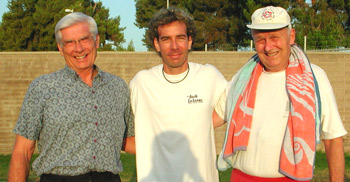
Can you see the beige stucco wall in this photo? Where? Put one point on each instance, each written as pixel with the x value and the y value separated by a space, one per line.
pixel 18 69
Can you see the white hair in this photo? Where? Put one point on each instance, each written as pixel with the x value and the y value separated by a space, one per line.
pixel 72 19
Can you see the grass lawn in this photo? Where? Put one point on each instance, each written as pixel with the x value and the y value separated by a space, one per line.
pixel 129 174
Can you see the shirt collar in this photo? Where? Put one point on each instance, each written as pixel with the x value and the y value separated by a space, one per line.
pixel 70 73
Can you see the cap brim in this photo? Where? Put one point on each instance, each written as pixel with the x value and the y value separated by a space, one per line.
pixel 272 26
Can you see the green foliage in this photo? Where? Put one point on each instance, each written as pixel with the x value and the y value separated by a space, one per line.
pixel 323 22
pixel 130 47
pixel 29 24
pixel 221 24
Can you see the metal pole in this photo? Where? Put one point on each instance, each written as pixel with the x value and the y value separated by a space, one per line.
pixel 69 10
pixel 251 45
pixel 167 4
pixel 305 43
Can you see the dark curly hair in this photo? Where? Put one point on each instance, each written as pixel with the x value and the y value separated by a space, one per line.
pixel 165 16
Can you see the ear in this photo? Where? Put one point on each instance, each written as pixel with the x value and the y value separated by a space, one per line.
pixel 97 41
pixel 156 44
pixel 189 42
pixel 60 48
pixel 292 36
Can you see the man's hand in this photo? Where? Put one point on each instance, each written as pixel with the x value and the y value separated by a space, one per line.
pixel 129 145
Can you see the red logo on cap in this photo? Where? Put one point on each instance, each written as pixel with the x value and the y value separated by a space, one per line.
pixel 268 15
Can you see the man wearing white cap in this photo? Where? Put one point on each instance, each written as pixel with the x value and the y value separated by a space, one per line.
pixel 278 106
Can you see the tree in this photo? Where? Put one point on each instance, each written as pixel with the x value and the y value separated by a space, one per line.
pixel 16 27
pixel 29 24
pixel 322 21
pixel 346 41
pixel 221 24
pixel 130 47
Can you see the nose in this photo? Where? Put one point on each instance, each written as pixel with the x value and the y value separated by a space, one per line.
pixel 174 45
pixel 78 47
pixel 268 45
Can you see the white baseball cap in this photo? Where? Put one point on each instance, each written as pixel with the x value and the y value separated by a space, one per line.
pixel 270 18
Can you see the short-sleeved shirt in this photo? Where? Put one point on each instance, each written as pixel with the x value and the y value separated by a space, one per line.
pixel 173 124
pixel 78 128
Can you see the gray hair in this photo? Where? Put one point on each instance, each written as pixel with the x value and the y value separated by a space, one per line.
pixel 72 19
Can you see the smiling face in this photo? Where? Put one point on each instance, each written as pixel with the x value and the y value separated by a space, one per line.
pixel 173 45
pixel 78 47
pixel 273 47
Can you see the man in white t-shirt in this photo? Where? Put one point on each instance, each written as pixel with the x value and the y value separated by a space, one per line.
pixel 173 105
pixel 277 106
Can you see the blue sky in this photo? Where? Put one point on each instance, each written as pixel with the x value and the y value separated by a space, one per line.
pixel 123 8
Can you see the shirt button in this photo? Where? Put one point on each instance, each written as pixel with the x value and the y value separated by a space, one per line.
pixel 93 92
pixel 95 107
pixel 96 123
pixel 95 140
pixel 94 157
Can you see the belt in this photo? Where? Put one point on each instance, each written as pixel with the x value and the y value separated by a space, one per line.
pixel 87 177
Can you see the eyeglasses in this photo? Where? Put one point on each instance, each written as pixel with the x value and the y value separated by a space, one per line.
pixel 84 41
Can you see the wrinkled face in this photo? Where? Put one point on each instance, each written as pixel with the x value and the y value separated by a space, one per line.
pixel 78 47
pixel 173 45
pixel 273 47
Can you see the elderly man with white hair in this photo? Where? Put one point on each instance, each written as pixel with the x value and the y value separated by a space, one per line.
pixel 80 116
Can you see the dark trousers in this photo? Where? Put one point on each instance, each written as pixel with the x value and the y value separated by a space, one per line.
pixel 88 177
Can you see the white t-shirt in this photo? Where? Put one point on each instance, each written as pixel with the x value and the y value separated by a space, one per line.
pixel 173 124
pixel 270 118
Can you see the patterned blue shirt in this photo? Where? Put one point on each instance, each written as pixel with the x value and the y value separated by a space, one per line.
pixel 78 128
